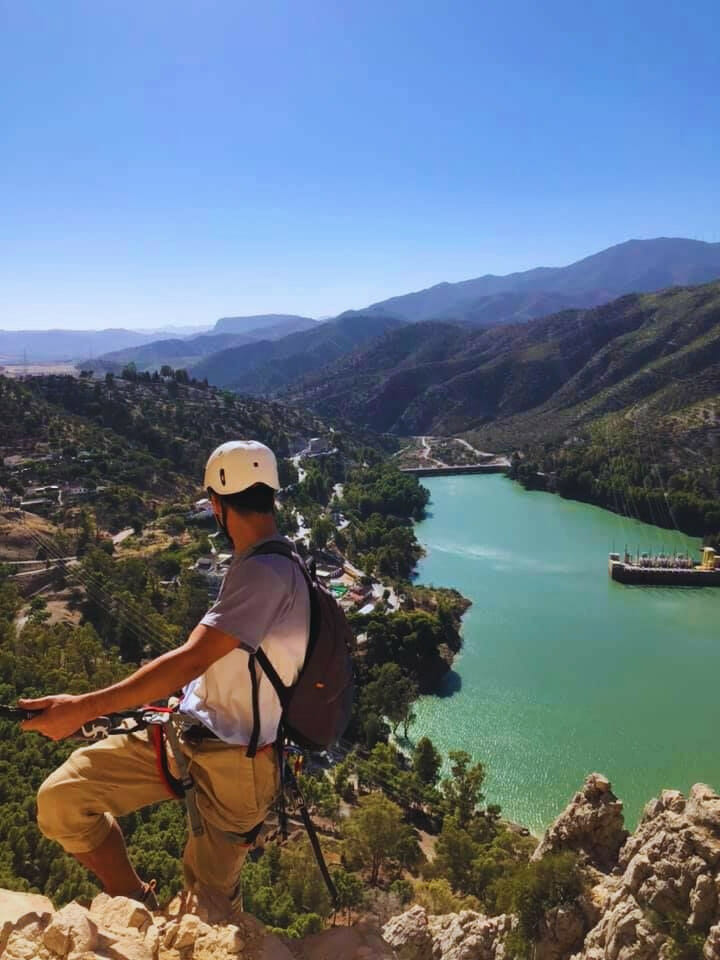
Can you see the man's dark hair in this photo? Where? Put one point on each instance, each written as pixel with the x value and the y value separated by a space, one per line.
pixel 259 498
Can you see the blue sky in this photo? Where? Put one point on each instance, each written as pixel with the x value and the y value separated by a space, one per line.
pixel 173 162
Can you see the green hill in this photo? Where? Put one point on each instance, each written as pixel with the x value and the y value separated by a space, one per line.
pixel 527 380
pixel 267 366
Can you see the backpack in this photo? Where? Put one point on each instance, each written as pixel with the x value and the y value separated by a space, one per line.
pixel 316 709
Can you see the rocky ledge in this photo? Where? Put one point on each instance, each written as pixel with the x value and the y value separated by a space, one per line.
pixel 653 895
pixel 115 928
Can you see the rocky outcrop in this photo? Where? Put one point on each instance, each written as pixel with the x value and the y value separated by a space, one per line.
pixel 667 893
pixel 654 895
pixel 592 826
pixel 456 936
pixel 116 928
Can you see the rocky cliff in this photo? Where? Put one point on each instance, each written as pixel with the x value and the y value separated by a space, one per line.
pixel 652 895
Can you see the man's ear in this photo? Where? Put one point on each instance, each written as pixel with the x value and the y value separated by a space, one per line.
pixel 215 503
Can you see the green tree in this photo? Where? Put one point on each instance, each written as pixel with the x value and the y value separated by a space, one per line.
pixel 427 761
pixel 390 694
pixel 321 532
pixel 377 836
pixel 462 791
pixel 350 890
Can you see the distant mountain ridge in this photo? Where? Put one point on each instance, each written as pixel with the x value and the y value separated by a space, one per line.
pixel 636 266
pixel 186 351
pixel 267 366
pixel 54 345
pixel 245 324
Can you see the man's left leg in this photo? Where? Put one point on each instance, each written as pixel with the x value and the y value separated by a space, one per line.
pixel 234 794
pixel 78 804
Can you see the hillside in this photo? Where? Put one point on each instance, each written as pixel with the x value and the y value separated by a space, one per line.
pixel 634 266
pixel 554 371
pixel 129 445
pixel 267 366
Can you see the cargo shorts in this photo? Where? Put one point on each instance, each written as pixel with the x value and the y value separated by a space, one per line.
pixel 116 776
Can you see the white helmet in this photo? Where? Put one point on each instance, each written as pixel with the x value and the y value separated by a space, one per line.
pixel 237 465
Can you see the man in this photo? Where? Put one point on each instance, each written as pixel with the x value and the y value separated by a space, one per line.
pixel 263 600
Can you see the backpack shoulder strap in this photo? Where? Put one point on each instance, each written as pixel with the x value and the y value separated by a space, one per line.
pixel 282 549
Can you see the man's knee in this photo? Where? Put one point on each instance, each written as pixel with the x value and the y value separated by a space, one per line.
pixel 51 802
pixel 63 814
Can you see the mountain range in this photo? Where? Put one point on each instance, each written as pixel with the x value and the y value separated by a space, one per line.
pixel 636 266
pixel 227 332
pixel 303 345
pixel 534 379
pixel 266 366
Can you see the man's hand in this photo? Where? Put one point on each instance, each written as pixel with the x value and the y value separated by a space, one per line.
pixel 61 715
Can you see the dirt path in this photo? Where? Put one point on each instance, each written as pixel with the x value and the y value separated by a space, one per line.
pixel 426 454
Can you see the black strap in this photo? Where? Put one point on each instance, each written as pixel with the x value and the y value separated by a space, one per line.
pixel 279 547
pixel 252 746
pixel 281 810
pixel 313 837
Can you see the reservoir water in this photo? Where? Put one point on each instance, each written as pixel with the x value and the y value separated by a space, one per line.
pixel 563 671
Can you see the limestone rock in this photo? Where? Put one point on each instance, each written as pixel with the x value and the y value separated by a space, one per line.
pixel 120 914
pixel 456 936
pixel 409 934
pixel 186 933
pixel 670 873
pixel 469 935
pixel 21 909
pixel 562 931
pixel 591 825
pixel 71 931
pixel 712 944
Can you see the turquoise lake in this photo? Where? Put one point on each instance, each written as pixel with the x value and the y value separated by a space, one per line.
pixel 564 672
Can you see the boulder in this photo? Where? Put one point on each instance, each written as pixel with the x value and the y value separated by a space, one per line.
pixel 592 826
pixel 18 910
pixel 120 914
pixel 71 931
pixel 469 935
pixel 409 935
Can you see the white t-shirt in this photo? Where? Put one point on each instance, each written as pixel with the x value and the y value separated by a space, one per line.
pixel 262 600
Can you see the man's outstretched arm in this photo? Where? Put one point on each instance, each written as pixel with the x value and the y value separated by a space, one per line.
pixel 62 715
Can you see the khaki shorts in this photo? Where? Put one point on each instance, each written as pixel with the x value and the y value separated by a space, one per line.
pixel 118 775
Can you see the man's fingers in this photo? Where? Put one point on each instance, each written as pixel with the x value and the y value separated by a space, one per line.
pixel 38 704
